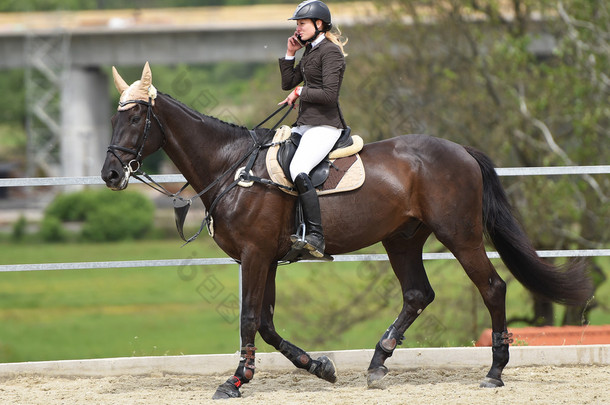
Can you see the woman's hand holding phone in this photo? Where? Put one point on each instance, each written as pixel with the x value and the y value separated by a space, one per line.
pixel 294 44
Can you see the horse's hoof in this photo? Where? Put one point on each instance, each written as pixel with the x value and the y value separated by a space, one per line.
pixel 226 390
pixel 326 369
pixel 491 383
pixel 375 375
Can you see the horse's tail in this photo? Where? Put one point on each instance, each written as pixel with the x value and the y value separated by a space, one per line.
pixel 567 284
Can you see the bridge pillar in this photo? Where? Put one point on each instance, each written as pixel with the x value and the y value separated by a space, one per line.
pixel 85 121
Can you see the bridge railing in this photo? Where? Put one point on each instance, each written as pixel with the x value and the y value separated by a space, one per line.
pixel 177 178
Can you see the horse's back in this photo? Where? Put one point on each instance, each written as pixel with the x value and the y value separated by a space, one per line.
pixel 422 156
pixel 433 176
pixel 418 145
pixel 410 180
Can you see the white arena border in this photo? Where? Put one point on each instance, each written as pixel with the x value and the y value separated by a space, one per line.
pixel 206 364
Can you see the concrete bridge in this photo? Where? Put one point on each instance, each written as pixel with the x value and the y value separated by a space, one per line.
pixel 68 54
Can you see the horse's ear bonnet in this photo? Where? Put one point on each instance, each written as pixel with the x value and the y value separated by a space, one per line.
pixel 120 84
pixel 142 89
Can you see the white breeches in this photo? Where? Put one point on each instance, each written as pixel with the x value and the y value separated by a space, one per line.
pixel 316 143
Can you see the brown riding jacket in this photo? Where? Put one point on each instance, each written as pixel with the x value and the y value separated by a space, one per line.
pixel 321 69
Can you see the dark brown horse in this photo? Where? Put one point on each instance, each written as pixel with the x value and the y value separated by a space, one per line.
pixel 415 186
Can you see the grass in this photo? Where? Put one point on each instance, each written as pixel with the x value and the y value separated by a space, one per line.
pixel 114 312
pixel 71 314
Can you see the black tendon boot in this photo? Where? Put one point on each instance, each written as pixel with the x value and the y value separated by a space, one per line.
pixel 314 237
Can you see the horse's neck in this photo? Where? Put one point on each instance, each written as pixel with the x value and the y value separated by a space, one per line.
pixel 201 147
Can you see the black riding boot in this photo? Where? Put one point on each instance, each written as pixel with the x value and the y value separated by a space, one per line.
pixel 314 237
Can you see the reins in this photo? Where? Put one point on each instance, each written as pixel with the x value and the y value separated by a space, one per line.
pixel 181 204
pixel 244 176
pixel 273 115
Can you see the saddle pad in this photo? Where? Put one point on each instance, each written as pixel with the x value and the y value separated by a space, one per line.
pixel 346 173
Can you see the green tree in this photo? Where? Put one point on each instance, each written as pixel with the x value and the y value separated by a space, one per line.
pixel 524 80
pixel 49 5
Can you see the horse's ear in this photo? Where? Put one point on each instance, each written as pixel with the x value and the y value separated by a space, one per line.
pixel 119 83
pixel 146 79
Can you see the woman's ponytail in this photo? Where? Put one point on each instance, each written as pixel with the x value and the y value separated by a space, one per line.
pixel 334 36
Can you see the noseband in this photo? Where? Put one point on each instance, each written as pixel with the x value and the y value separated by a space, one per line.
pixel 133 166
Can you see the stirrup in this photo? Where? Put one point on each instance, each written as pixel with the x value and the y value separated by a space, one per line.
pixel 298 239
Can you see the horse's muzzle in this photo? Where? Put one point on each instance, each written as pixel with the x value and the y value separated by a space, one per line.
pixel 115 180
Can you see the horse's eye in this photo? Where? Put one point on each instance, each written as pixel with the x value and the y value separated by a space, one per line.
pixel 135 119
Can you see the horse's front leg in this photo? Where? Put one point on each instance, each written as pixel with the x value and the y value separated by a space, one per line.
pixel 253 274
pixel 322 367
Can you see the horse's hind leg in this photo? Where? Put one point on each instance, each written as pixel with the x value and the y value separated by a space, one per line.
pixel 470 252
pixel 493 290
pixel 406 259
pixel 322 367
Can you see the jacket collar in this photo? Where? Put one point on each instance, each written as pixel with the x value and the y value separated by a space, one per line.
pixel 318 40
pixel 312 47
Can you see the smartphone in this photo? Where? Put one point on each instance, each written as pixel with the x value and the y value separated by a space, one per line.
pixel 298 37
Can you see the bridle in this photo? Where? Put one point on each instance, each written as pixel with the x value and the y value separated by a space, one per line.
pixel 134 165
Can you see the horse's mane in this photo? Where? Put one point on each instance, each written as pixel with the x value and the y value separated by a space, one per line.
pixel 262 131
pixel 199 115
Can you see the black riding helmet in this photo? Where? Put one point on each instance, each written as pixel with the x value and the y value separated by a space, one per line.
pixel 314 10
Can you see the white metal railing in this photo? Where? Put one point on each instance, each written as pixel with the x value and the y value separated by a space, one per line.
pixel 219 261
pixel 177 178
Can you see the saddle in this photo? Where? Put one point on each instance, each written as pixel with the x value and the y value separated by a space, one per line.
pixel 341 171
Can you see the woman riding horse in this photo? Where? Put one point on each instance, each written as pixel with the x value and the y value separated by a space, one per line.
pixel 320 121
